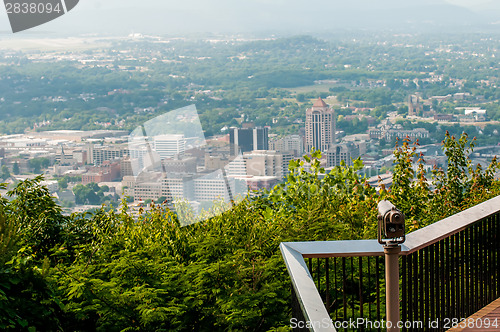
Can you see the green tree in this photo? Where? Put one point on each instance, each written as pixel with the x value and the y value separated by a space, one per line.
pixel 456 187
pixel 63 183
pixel 37 164
pixel 15 168
pixel 5 174
pixel 91 193
pixel 85 194
pixel 30 227
pixel 161 199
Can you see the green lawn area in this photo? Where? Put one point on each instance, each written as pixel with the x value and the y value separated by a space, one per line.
pixel 311 88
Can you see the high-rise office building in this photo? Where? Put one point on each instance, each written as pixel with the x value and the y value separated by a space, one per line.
pixel 168 146
pixel 320 126
pixel 291 143
pixel 99 154
pixel 267 163
pixel 248 139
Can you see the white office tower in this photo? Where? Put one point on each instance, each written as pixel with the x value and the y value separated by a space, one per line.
pixel 168 146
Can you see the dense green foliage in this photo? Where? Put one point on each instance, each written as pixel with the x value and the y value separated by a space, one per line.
pixel 90 193
pixel 109 271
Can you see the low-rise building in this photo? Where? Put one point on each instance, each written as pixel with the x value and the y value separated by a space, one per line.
pixel 403 133
pixel 445 118
pixel 107 172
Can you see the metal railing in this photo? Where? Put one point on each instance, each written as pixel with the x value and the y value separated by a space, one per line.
pixel 448 270
pixel 456 275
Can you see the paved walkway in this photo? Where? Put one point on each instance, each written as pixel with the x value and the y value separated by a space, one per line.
pixel 488 316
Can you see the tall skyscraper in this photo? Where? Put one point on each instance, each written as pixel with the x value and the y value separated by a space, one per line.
pixel 248 139
pixel 320 126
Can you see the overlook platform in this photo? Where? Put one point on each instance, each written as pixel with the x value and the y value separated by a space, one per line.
pixel 483 318
pixel 448 269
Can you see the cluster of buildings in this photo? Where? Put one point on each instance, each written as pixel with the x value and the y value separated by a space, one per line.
pixel 172 167
pixel 472 114
pixel 175 167
pixel 465 114
pixel 388 132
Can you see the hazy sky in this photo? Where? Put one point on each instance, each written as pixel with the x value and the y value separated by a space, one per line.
pixel 294 16
pixel 179 4
pixel 182 4
pixel 469 3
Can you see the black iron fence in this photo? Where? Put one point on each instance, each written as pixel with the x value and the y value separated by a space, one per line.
pixel 453 278
pixel 350 287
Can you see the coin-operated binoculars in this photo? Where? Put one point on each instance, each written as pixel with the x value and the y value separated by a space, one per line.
pixel 391 233
pixel 391 224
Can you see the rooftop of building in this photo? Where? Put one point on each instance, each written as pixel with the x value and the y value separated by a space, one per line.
pixel 320 103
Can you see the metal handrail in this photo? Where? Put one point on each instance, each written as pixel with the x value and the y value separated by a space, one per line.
pixel 446 227
pixel 302 281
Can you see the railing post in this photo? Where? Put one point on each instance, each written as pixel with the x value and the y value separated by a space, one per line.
pixel 391 233
pixel 392 251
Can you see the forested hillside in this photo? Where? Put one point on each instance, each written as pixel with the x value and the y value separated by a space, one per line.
pixel 119 84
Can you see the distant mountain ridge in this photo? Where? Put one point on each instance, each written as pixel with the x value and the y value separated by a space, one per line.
pixel 490 10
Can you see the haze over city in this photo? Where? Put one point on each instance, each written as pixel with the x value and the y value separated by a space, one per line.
pixel 262 16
